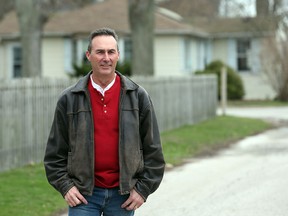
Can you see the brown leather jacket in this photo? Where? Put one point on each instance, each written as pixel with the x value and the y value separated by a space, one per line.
pixel 69 156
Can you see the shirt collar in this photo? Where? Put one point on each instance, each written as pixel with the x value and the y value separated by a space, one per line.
pixel 99 88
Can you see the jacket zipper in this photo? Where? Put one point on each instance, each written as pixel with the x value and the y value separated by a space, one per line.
pixel 92 135
pixel 123 92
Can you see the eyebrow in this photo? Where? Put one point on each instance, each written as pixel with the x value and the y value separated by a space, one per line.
pixel 105 49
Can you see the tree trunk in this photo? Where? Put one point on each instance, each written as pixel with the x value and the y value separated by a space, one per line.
pixel 262 7
pixel 5 7
pixel 30 24
pixel 141 17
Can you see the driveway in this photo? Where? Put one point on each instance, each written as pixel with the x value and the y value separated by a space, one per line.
pixel 248 179
pixel 269 113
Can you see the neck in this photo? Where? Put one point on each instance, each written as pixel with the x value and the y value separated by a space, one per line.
pixel 103 81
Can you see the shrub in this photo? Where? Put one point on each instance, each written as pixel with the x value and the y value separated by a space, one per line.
pixel 235 87
pixel 81 70
pixel 124 68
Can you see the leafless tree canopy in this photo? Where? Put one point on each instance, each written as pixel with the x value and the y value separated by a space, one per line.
pixel 274 52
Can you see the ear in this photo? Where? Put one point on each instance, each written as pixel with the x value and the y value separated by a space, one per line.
pixel 88 55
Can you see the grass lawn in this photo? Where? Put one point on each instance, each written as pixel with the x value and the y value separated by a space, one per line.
pixel 26 192
pixel 206 137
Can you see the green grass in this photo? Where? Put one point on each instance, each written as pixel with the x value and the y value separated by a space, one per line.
pixel 208 136
pixel 26 192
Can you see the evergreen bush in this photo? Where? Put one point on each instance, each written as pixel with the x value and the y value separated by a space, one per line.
pixel 81 70
pixel 235 87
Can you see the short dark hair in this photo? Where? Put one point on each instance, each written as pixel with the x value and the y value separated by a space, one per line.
pixel 101 32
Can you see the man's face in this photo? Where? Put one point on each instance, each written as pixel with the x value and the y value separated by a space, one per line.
pixel 104 55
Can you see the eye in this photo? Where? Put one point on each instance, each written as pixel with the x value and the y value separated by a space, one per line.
pixel 112 51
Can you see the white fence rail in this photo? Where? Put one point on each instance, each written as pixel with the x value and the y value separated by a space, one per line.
pixel 27 108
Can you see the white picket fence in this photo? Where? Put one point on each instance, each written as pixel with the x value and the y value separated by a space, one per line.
pixel 27 109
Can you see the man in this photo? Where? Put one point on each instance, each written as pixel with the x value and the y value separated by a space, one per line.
pixel 104 153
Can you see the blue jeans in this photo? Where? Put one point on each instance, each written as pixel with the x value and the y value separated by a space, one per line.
pixel 103 201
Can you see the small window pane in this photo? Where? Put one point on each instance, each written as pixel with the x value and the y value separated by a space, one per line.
pixel 17 62
pixel 243 47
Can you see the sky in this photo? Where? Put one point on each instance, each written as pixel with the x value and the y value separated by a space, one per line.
pixel 232 8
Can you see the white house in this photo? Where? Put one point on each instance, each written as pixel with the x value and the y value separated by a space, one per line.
pixel 180 47
pixel 238 42
pixel 66 34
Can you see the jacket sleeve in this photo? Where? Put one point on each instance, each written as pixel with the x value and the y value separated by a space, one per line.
pixel 154 164
pixel 56 154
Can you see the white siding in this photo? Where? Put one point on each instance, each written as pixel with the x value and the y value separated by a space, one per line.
pixel 232 54
pixel 209 51
pixel 167 54
pixel 257 87
pixel 254 56
pixel 220 50
pixel 53 58
pixel 198 54
pixel 3 61
pixel 68 55
pixel 188 57
pixel 195 55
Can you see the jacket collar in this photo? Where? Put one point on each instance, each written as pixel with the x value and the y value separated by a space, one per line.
pixel 126 83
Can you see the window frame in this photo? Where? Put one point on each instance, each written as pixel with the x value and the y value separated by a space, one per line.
pixel 243 48
pixel 12 47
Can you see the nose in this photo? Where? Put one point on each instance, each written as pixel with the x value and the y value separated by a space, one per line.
pixel 106 56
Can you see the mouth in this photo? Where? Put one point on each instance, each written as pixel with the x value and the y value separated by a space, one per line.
pixel 105 66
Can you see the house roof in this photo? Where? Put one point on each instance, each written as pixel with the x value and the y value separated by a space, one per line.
pixel 204 16
pixel 109 13
pixel 224 27
pixel 194 8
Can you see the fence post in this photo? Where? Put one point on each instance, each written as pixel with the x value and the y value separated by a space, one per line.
pixel 223 90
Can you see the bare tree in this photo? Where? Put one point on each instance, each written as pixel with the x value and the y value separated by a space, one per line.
pixel 267 7
pixel 276 6
pixel 262 7
pixel 32 15
pixel 275 65
pixel 141 17
pixel 236 8
pixel 275 52
pixel 31 23
pixel 5 6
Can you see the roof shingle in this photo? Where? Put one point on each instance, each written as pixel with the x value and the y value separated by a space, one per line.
pixel 109 13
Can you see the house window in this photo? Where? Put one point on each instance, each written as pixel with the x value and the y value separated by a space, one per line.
pixel 243 48
pixel 16 61
pixel 127 49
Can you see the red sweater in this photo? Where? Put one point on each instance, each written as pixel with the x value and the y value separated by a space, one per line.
pixel 106 135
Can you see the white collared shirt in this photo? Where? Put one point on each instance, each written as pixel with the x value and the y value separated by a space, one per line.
pixel 99 88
